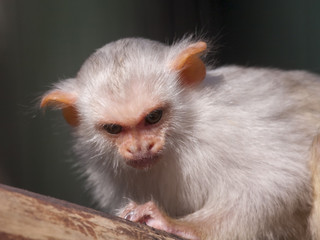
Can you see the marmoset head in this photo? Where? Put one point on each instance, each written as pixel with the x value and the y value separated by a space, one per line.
pixel 126 95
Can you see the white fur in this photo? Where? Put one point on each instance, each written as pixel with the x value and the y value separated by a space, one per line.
pixel 236 152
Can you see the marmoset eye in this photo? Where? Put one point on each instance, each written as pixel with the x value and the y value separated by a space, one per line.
pixel 112 128
pixel 154 116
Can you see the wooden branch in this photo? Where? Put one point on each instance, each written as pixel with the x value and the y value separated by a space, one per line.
pixel 25 215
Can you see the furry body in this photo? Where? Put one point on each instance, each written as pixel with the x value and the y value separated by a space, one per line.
pixel 236 151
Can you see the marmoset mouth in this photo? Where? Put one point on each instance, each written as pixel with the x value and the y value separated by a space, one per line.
pixel 143 162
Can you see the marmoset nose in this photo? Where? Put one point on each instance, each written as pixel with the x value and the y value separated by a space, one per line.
pixel 140 149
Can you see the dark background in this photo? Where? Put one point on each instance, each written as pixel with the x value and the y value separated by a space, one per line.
pixel 42 41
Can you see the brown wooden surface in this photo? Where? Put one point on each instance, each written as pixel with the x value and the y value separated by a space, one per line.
pixel 26 215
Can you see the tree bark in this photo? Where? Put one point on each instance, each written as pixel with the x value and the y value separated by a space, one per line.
pixel 26 215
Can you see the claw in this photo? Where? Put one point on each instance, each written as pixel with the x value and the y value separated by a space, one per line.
pixel 129 215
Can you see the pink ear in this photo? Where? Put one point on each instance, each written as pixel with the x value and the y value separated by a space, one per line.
pixel 65 101
pixel 189 65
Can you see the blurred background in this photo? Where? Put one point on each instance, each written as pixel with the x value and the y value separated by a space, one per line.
pixel 42 41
